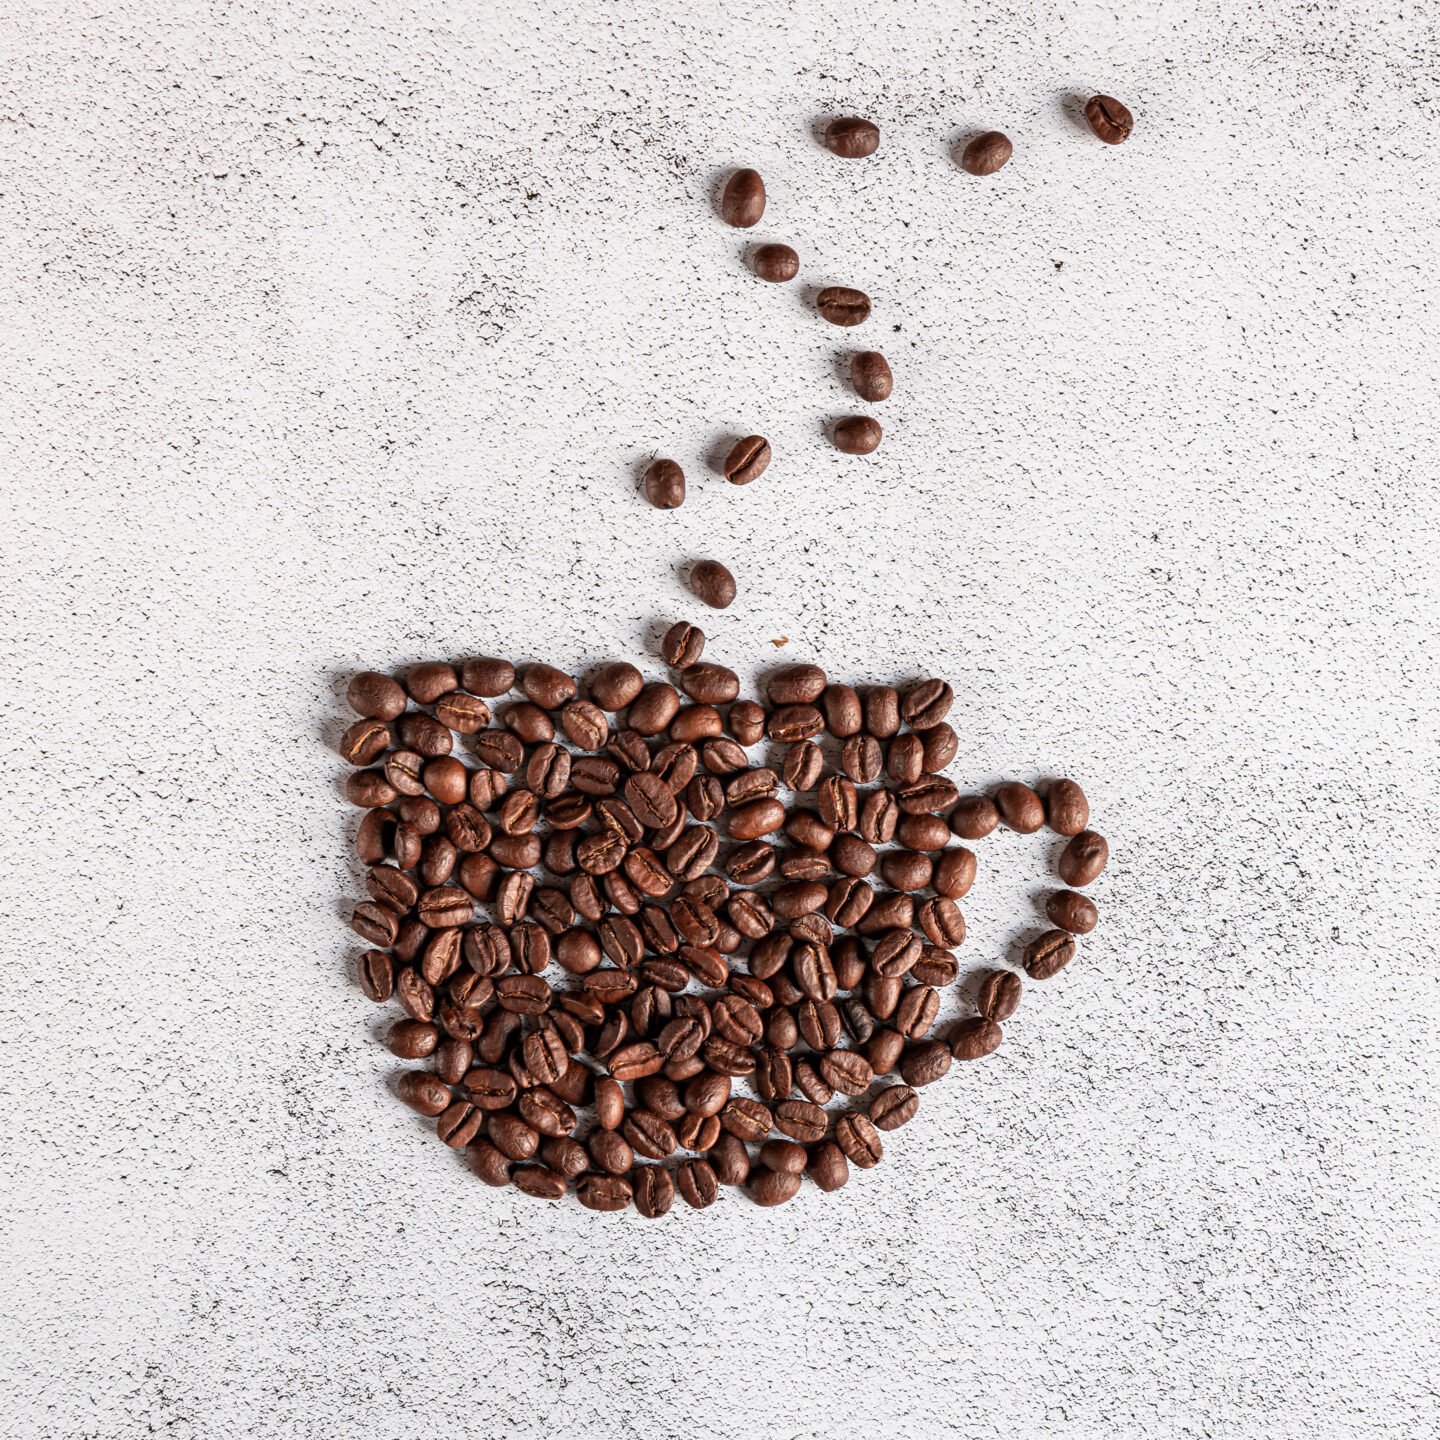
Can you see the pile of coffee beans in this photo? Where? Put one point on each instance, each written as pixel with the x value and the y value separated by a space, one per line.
pixel 656 938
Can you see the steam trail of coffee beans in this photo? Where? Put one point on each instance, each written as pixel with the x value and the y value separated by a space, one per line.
pixel 742 204
pixel 741 939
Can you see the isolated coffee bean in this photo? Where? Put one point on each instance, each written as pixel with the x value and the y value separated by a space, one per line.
pixel 376 696
pixel 1049 954
pixel 1109 119
pixel 1020 807
pixel 665 485
pixel 712 584
pixel 841 305
pixel 974 817
pixel 1067 811
pixel 851 137
pixel 976 1038
pixel 1082 860
pixel 871 376
pixel 776 263
pixel 748 460
pixel 773 1187
pixel 1069 910
pixel 986 153
pixel 487 676
pixel 999 995
pixel 683 645
pixel 742 203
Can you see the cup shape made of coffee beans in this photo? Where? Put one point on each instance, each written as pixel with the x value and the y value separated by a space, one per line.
pixel 653 940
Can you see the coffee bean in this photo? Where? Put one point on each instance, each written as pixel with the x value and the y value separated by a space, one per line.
pixel 423 1092
pixel 859 1140
pixel 1067 811
pixel 615 685
pixel 487 676
pixel 828 1167
pixel 1069 910
pixel 375 696
pixel 697 1183
pixel 499 750
pixel 871 376
pixel 999 995
pixel 1109 119
pixel 653 1189
pixel 925 833
pixel 925 1063
pixel 773 1187
pixel 427 683
pixel 653 709
pixel 542 1183
pixel 1049 954
pixel 377 975
pixel 413 1039
pixel 1082 860
pixel 464 713
pixel 847 1072
pixel 878 817
pixel 713 584
pixel 375 923
pixel 1020 807
pixel 927 795
pixel 986 153
pixel 746 722
pixel 710 684
pixel 566 1157
pixel 783 1157
pixel 916 1012
pixel 796 685
pixel 894 1107
pixel 954 873
pixel 858 435
pixel 841 305
pixel 369 789
pixel 459 1124
pixel 942 922
pixel 743 202
pixel 776 263
pixel 974 817
pixel 446 780
pixel 852 137
pixel 665 485
pixel 365 741
pixel 683 645
pixel 611 1151
pixel 748 460
pixel 974 1039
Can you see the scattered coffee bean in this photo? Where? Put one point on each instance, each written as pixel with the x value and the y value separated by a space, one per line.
pixel 712 584
pixel 683 645
pixel 776 263
pixel 1109 119
pixel 975 1039
pixel 747 460
pixel 841 305
pixel 1049 954
pixel 1020 807
pixel 665 485
pixel 743 202
pixel 974 817
pixel 1083 858
pixel 773 1187
pixel 999 995
pixel 1069 910
pixel 857 435
pixel 1067 811
pixel 870 375
pixel 986 153
pixel 852 137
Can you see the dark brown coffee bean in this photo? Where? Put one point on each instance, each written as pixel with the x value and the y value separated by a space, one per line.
pixel 974 817
pixel 374 836
pixel 878 818
pixel 840 705
pixel 690 856
pixel 614 686
pixel 487 676
pixel 545 1056
pixel 852 137
pixel 859 1139
pixel 1083 858
pixel 746 722
pixel 634 1061
pixel 858 435
pixel 748 460
pixel 377 975
pixel 707 1094
pixel 841 305
pixel 542 1183
pixel 1109 119
pixel 610 1151
pixel 464 713
pixel 523 994
pixel 776 263
pixel 489 1088
pixel 566 1157
pixel 653 709
pixel 1020 807
pixel 783 1157
pixel 499 750
pixel 999 995
pixel 487 788
pixel 802 1120
pixel 954 873
pixel 986 153
pixel 851 856
pixel 683 645
pixel 427 683
pixel 884 1049
pixel 839 804
pixel 415 994
pixel 393 888
pixel 828 1167
pixel 428 737
pixel 797 898
pixel 746 1119
pixel 710 684
pixel 405 770
pixel 712 583
pixel 862 759
pixel 811 1084
pixel 894 1107
pixel 369 789
pixel 423 1092
pixel 413 1039
pixel 697 1183
pixel 365 741
pixel 928 795
pixel 974 1039
pixel 546 1112
pixel 1069 910
pixel 375 923
pixel 889 912
pixel 653 1189
pixel 871 376
pixel 1067 811
pixel 760 817
pixel 773 1187
pixel 895 954
pixel 846 1071
pixel 905 762
pixel 916 1012
pixel 489 1164
pixel 796 685
pixel 528 722
pixel 743 202
pixel 650 800
pixel 375 696
pixel 925 1063
pixel 665 485
pixel 600 854
pixel 459 1124
pixel 723 756
pixel 696 723
pixel 905 870
pixel 942 923
pixel 941 745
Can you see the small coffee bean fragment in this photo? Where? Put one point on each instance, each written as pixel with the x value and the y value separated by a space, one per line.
pixel 776 263
pixel 986 153
pixel 712 584
pixel 871 376
pixel 748 459
pixel 1067 811
pixel 1049 954
pixel 1072 911
pixel 1082 860
pixel 1111 121
pixel 842 305
pixel 742 203
pixel 858 435
pixel 851 137
pixel 665 485
pixel 1020 807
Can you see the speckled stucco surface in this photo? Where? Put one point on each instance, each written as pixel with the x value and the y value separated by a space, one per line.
pixel 335 336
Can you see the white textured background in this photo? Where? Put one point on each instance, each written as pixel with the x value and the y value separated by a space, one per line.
pixel 335 336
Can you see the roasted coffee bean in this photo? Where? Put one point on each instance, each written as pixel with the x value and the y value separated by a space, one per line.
pixel 878 818
pixel 650 800
pixel 1083 858
pixel 871 376
pixel 512 894
pixel 986 153
pixel 852 137
pixel 803 765
pixel 653 709
pixel 543 1183
pixel 1109 119
pixel 423 1092
pixel 487 676
pixel 1020 807
pixel 427 683
pixel 1067 811
pixel 942 922
pixel 905 761
pixel 463 713
pixel 858 435
pixel 528 721
pixel 925 1063
pixel 881 705
pixel 545 1056
pixel 489 1088
pixel 941 745
pixel 848 901
pixel 520 813
pixel 748 460
pixel 683 645
pixel 841 305
pixel 675 764
pixel 614 686
pixel 375 696
pixel 392 887
pixel 895 954
pixel 405 769
pixel 811 1083
pixel 633 1061
pixel 653 1189
pixel 610 1151
pixel 375 923
pixel 710 684
pixel 796 685
pixel 846 1071
pixel 894 1107
pixel 1069 910
pixel 974 817
pixel 926 703
pixel 797 898
pixel 905 870
pixel 690 856
pixel 783 1157
pixel 458 1124
pixel 585 726
pixel 954 873
pixel 801 1120
pixel 746 1119
pixel 759 817
pixel 566 1157
pixel 665 485
pixel 487 788
pixel 927 795
pixel 851 856
pixel 819 1023
pixel 916 1012
pixel 840 705
pixel 500 750
pixel 415 994
pixel 723 756
pixel 859 1139
pixel 489 1163
pixel 839 804
pixel 974 1039
pixel 438 860
pixel 999 995
pixel 773 1187
pixel 546 1112
pixel 697 1183
pixel 374 836
pixel 776 263
pixel 377 975
pixel 413 1039
pixel 421 733
pixel 707 1094
pixel 862 759
pixel 369 789
pixel 743 202
pixel 706 963
pixel 712 584
pixel 365 741
pixel 441 957
pixel 827 1166
pixel 523 994
pixel 487 950
pixel 746 722
pixel 884 1049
